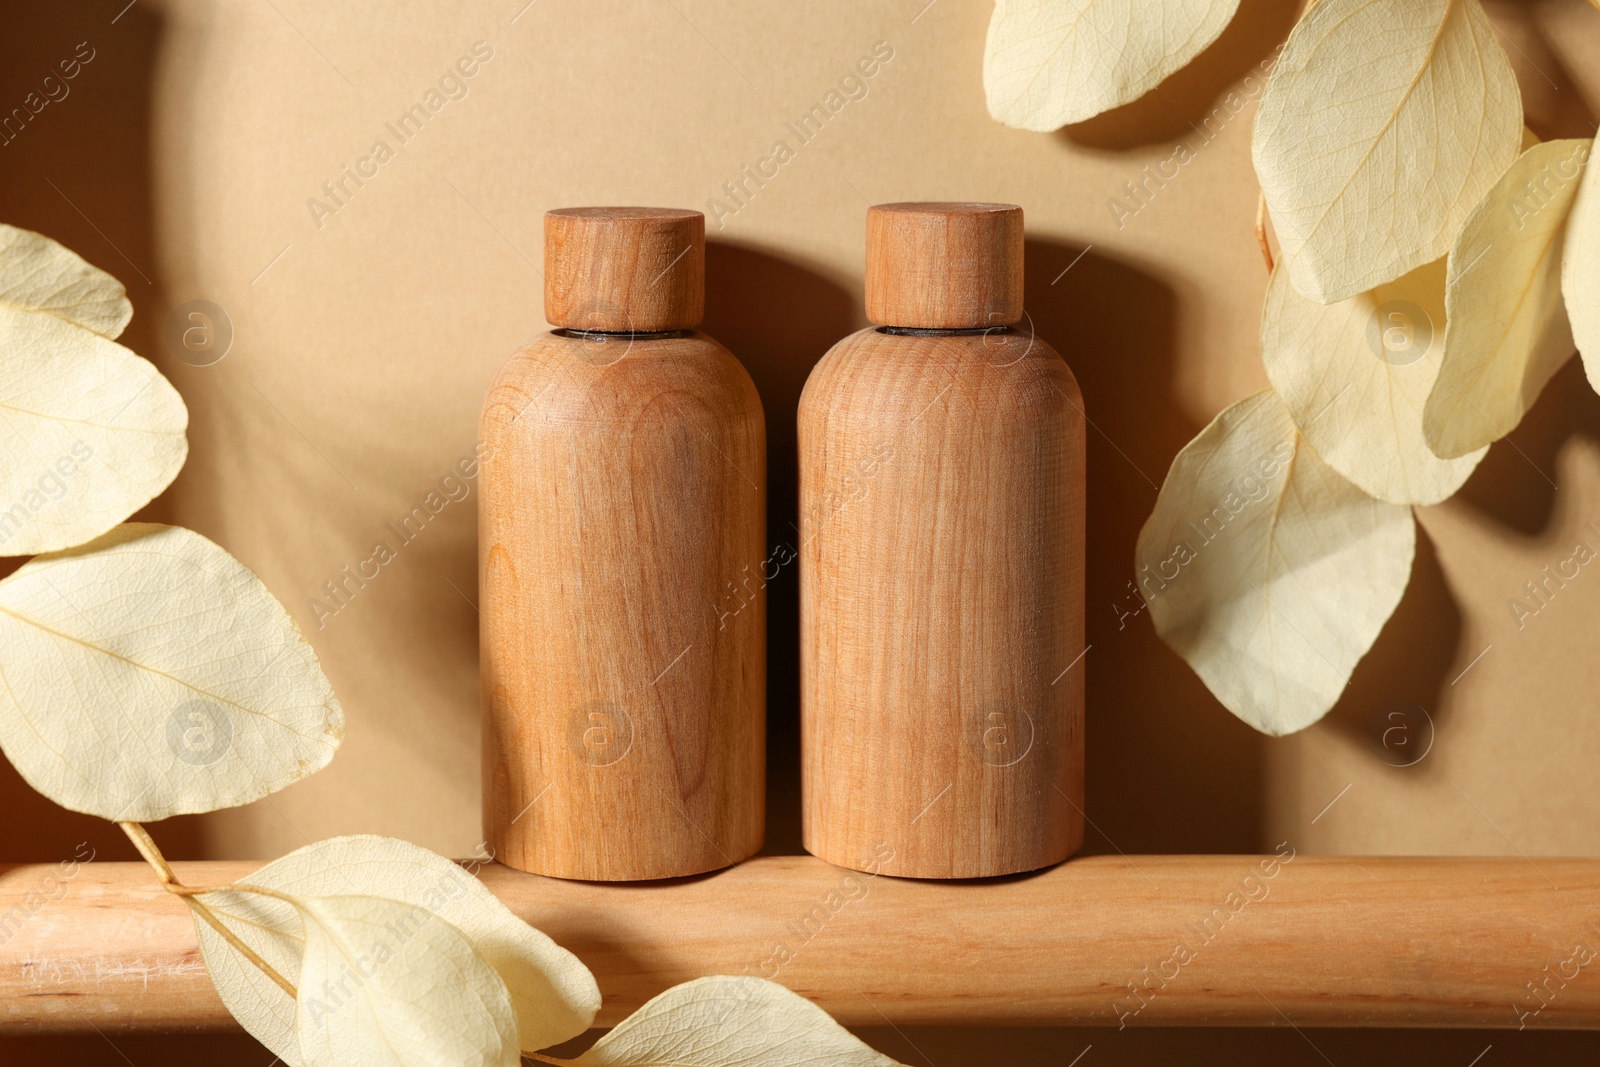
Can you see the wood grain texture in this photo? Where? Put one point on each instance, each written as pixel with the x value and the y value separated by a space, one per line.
pixel 1322 941
pixel 941 600
pixel 624 706
pixel 945 266
pixel 635 269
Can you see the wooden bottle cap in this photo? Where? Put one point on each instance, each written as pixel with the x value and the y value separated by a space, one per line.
pixel 624 269
pixel 944 266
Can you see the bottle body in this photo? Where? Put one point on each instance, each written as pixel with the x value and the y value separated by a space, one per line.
pixel 941 586
pixel 624 710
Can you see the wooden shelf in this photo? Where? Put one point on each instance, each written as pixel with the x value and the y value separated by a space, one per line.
pixel 1344 941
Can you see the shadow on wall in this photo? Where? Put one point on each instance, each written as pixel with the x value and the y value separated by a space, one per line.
pixel 1392 707
pixel 1515 485
pixel 778 317
pixel 79 171
pixel 1169 770
pixel 1552 100
pixel 1178 108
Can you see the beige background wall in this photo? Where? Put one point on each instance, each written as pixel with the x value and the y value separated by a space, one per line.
pixel 185 155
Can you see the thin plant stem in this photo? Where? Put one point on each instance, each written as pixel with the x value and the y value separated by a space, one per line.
pixel 200 909
pixel 542 1058
pixel 181 890
pixel 149 851
pixel 169 881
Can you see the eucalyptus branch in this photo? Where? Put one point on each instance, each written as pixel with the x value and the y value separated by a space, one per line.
pixel 169 881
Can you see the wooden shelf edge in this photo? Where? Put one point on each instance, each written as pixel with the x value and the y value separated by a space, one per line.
pixel 1103 940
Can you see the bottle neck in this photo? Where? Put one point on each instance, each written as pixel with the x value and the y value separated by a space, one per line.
pixel 967 331
pixel 619 335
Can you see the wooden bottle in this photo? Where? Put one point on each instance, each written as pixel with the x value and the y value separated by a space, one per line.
pixel 942 565
pixel 622 497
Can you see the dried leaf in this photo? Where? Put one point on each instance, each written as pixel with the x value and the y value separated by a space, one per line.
pixel 1507 332
pixel 89 432
pixel 37 274
pixel 273 930
pixel 731 1022
pixel 1383 124
pixel 553 995
pixel 1355 376
pixel 148 674
pixel 1266 570
pixel 1048 63
pixel 1580 272
pixel 386 984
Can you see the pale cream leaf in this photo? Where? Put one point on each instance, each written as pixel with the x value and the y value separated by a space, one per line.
pixel 1266 570
pixel 1580 273
pixel 389 984
pixel 89 433
pixel 38 274
pixel 1356 375
pixel 1383 124
pixel 731 1022
pixel 1048 63
pixel 149 674
pixel 1506 332
pixel 553 995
